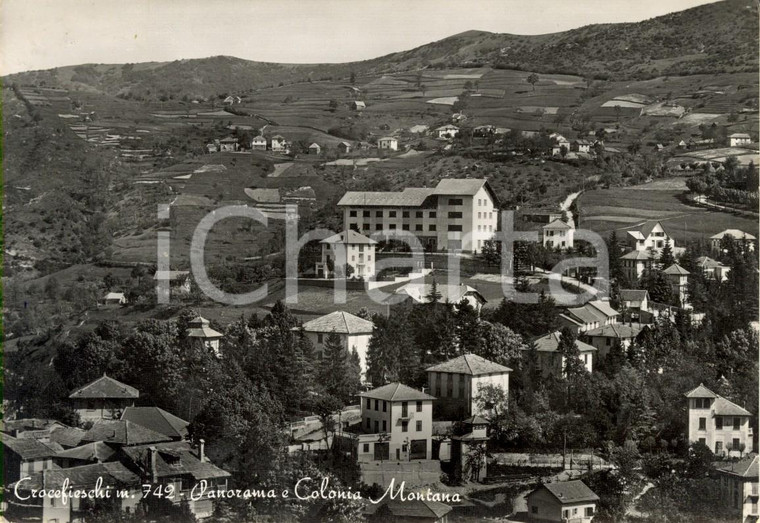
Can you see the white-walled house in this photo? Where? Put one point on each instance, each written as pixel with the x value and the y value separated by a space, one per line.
pixel 447 131
pixel 592 315
pixel 557 234
pixel 605 337
pixel 457 214
pixel 736 235
pixel 635 263
pixel 739 488
pixel 388 143
pixel 354 333
pixel 739 139
pixel 713 268
pixel 348 248
pixel 200 334
pixel 455 384
pixel 551 362
pixel 651 236
pixel 103 399
pixel 397 421
pixel 678 277
pixel 562 501
pixel 259 143
pixel 718 423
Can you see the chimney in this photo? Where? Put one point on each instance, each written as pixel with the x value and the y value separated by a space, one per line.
pixel 202 450
pixel 44 479
pixel 153 471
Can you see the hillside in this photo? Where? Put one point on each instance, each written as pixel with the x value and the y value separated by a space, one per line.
pixel 714 38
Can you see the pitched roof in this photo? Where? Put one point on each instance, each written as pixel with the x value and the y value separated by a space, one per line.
pixel 25 424
pixel 95 451
pixel 203 332
pixel 177 458
pixel 114 296
pixel 647 228
pixel 636 255
pixel 633 295
pixel 471 364
pixel 617 330
pixel 676 269
pixel 67 436
pixel 314 145
pixel 604 307
pixel 113 474
pixel 341 322
pixel 349 237
pixel 734 233
pixel 708 263
pixel 476 420
pixel 556 224
pixel 388 138
pixel 459 186
pixel 419 292
pixel 259 138
pixel 447 127
pixel 739 135
pixel 264 195
pixel 157 420
pixel 701 392
pixel 30 448
pixel 550 343
pixel 409 509
pixel 745 468
pixel 587 314
pixel 396 392
pixel 122 433
pixel 409 197
pixel 105 388
pixel 574 491
pixel 724 407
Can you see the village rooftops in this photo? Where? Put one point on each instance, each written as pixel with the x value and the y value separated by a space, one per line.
pixel 701 392
pixel 724 407
pixel 122 433
pixel 557 225
pixel 736 234
pixel 708 263
pixel 749 467
pixel 568 492
pixel 636 255
pixel 113 474
pixel 550 343
pixel 67 436
pixel 676 269
pixel 30 448
pixel 407 510
pixel 740 135
pixel 339 322
pixel 105 388
pixel 157 420
pixel 634 295
pixel 349 237
pixel 646 229
pixel 27 424
pixel 471 364
pixel 95 451
pixel 617 330
pixel 173 459
pixel 396 392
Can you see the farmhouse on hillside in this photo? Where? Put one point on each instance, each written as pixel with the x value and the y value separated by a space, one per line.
pixel 387 143
pixel 347 254
pixel 344 147
pixel 114 298
pixel 447 131
pixel 259 143
pixel 103 399
pixel 228 144
pixel 739 139
pixel 735 234
pixel 279 144
pixel 358 105
pixel 562 501
pixel 315 149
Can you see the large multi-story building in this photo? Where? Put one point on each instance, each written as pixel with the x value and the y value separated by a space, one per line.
pixel 357 251
pixel 458 214
pixel 718 423
pixel 398 424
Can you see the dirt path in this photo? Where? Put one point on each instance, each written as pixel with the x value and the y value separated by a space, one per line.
pixel 565 205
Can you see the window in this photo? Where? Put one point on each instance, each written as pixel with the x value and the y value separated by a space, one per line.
pixel 405 227
pixel 702 423
pixel 455 201
pixel 365 448
pixel 455 228
pixel 432 214
pixel 361 248
pixel 718 447
pixel 455 214
pixel 490 228
pixel 379 227
pixel 365 227
pixel 385 426
pixel 702 441
pixel 377 426
pixel 479 213
pixel 719 423
pixel 418 227
pixel 438 384
pixel 385 406
pixel 405 214
pixel 353 258
pixel 480 228
pixel 365 214
pixel 379 214
pixel 391 214
pixel 419 406
pixel 534 510
pixel 369 422
pixel 320 338
pixel 419 426
pixel 377 404
pixel 354 227
pixel 404 409
pixel 431 227
pixel 608 341
pixel 392 226
pixel 369 402
pixel 589 511
pixel 404 426
pixel 418 214
pixel 575 511
pixel 352 214
pixel 737 423
pixel 565 513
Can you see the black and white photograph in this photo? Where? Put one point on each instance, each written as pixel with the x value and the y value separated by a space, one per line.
pixel 376 261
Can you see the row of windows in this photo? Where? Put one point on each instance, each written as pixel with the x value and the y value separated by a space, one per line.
pixel 392 214
pixel 483 229
pixel 737 423
pixel 488 215
pixel 405 227
pixel 702 403
pixel 404 426
pixel 404 406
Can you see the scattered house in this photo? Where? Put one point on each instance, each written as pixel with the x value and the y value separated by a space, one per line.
pixel 580 146
pixel 179 281
pixel 592 315
pixel 635 263
pixel 483 130
pixel 718 423
pixel 454 294
pixel 358 105
pixel 231 100
pixel 634 302
pixel 659 148
pixel 419 129
pixel 713 268
pixel 212 147
pixel 354 333
pixel 303 194
pixel 651 236
pixel 122 433
pixel 606 336
pixel 347 249
pixel 344 147
pixel 114 298
pixel 200 334
pixel 408 511
pixel 739 488
pixel 551 362
pixel 455 384
pixel 388 143
pixel 541 216
pixel 679 279
pixel 738 236
pixel 228 144
pixel 739 139
pixel 279 144
pixel 570 501
pixel 398 424
pixel 458 214
pixel 103 399
pixel 681 145
pixel 557 234
pixel 24 456
pixel 561 142
pixel 259 143
pixel 157 420
pixel 315 149
pixel 447 131
pixel 458 117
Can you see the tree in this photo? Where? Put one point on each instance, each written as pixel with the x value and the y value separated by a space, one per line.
pixel 666 255
pixel 333 369
pixel 352 78
pixel 434 296
pixel 493 401
pixel 533 80
pixel 52 288
pixel 499 344
pixel 491 252
pixel 326 406
pixel 571 354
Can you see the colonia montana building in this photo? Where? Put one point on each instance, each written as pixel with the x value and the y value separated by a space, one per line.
pixel 458 214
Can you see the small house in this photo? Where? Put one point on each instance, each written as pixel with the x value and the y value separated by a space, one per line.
pixel 103 399
pixel 202 335
pixel 114 298
pixel 259 143
pixel 315 149
pixel 228 144
pixel 679 279
pixel 720 424
pixel 231 100
pixel 388 143
pixel 713 268
pixel 356 255
pixel 562 501
pixel 344 147
pixel 179 281
pixel 551 362
pixel 557 234
pixel 279 144
pixel 739 237
pixel 739 139
pixel 447 131
pixel 739 487
pixel 358 105
pixel 634 302
pixel 580 146
pixel 157 420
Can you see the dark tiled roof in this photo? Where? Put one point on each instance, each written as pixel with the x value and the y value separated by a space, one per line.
pixel 29 448
pixel 633 295
pixel 95 451
pixel 396 508
pixel 105 388
pixel 636 255
pixel 67 436
pixel 113 474
pixel 569 491
pixel 469 364
pixel 724 407
pixel 459 186
pixel 550 343
pixel 174 459
pixel 409 197
pixel 396 392
pixel 701 392
pixel 745 468
pixel 157 420
pixel 617 330
pixel 340 322
pixel 122 433
pixel 25 424
pixel 676 269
